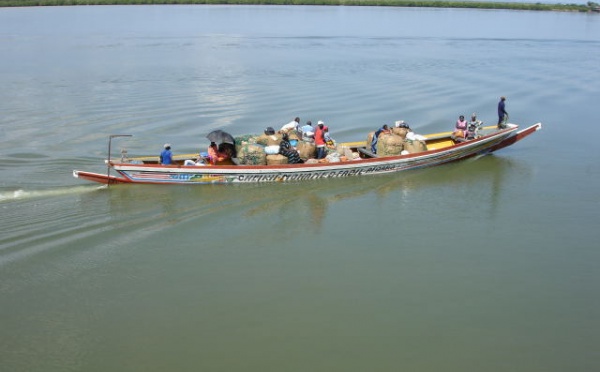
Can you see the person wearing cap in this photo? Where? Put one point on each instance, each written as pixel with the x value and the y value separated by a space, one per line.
pixel 502 114
pixel 401 124
pixel 308 132
pixel 320 140
pixel 166 156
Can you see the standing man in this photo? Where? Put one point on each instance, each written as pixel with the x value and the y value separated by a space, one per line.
pixel 502 113
pixel 320 140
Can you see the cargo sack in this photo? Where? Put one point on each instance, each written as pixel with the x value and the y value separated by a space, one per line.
pixel 276 159
pixel 400 132
pixel 242 140
pixel 266 140
pixel 251 154
pixel 307 150
pixel 389 144
pixel 293 135
pixel 414 146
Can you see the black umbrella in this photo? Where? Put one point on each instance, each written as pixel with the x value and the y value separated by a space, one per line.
pixel 218 136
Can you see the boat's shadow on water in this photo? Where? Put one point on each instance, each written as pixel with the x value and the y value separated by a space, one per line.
pixel 308 203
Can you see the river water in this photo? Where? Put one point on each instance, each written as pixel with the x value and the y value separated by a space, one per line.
pixel 490 264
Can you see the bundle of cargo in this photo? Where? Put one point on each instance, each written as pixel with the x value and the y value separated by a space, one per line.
pixel 252 154
pixel 276 159
pixel 400 131
pixel 414 146
pixel 269 140
pixel 389 144
pixel 293 135
pixel 245 139
pixel 307 150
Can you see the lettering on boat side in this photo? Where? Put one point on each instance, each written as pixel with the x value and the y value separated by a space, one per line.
pixel 280 177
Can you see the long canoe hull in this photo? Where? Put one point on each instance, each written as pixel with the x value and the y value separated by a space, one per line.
pixel 180 174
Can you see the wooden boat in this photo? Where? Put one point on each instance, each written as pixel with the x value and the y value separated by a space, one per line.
pixel 441 149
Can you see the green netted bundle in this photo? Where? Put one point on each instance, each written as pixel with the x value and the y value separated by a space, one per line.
pixel 252 154
pixel 247 138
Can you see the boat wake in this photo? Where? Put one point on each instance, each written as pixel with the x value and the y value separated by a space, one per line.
pixel 33 194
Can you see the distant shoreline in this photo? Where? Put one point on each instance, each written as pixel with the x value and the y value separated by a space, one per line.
pixel 589 7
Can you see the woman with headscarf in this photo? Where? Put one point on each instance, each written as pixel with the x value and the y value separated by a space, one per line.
pixel 286 149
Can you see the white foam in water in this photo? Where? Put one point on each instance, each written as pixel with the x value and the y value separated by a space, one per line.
pixel 30 194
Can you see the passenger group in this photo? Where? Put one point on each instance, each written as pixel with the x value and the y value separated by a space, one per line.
pixel 321 138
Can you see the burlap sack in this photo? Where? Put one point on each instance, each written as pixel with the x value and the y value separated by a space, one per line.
pixel 414 146
pixel 400 132
pixel 307 150
pixel 271 140
pixel 369 140
pixel 389 144
pixel 251 154
pixel 276 159
pixel 293 135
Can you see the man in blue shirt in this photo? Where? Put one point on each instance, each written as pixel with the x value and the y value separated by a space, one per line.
pixel 166 156
pixel 308 132
pixel 502 113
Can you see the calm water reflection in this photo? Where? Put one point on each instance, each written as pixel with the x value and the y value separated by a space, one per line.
pixel 488 264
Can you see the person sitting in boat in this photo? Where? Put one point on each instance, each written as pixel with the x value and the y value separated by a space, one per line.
pixel 308 132
pixel 329 142
pixel 378 132
pixel 166 156
pixel 286 149
pixel 460 129
pixel 214 155
pixel 473 127
pixel 199 162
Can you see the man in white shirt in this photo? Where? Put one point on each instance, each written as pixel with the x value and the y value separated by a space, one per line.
pixel 292 125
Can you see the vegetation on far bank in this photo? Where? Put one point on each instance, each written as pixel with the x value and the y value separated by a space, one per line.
pixel 590 6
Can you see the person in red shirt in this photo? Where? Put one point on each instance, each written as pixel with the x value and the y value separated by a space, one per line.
pixel 320 140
